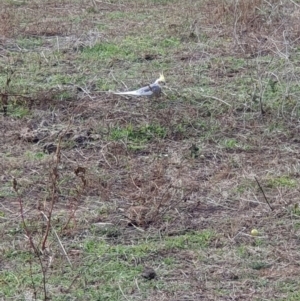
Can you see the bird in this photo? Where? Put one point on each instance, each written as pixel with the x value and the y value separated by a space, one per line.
pixel 152 90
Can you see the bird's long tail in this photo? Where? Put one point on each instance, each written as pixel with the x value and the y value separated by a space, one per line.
pixel 127 93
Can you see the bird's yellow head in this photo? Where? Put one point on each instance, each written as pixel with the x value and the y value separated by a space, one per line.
pixel 161 79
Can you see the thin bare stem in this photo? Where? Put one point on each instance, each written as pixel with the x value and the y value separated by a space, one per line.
pixel 261 189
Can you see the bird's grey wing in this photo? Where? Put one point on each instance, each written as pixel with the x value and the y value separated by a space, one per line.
pixel 145 91
pixel 149 90
pixel 156 89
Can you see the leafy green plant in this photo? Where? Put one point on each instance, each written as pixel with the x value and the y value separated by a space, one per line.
pixel 283 181
pixel 18 111
pixel 105 51
pixel 139 134
pixel 230 143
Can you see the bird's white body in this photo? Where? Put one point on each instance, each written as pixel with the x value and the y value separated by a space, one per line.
pixel 153 89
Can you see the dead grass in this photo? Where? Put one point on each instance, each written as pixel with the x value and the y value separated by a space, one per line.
pixel 168 183
pixel 256 27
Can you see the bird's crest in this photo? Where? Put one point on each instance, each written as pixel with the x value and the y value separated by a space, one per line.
pixel 161 78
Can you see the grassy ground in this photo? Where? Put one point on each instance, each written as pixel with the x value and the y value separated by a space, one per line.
pixel 96 187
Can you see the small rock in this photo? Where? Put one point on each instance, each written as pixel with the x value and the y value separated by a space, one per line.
pixel 49 148
pixel 149 273
pixel 80 139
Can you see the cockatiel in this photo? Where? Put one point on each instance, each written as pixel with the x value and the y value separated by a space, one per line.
pixel 152 90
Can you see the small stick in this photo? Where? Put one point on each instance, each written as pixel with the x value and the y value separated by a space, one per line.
pixel 295 3
pixel 219 99
pixel 59 241
pixel 263 193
